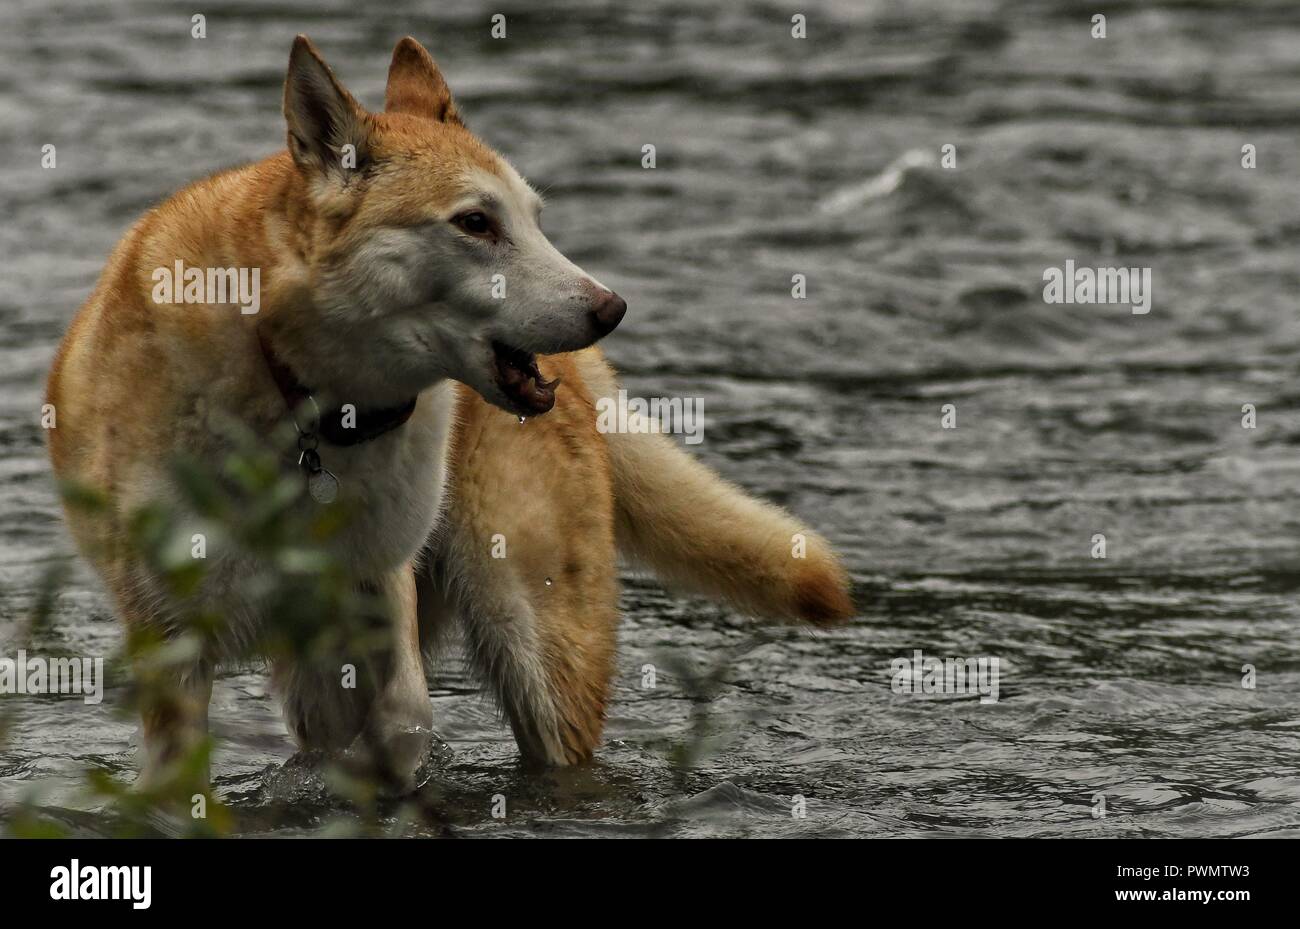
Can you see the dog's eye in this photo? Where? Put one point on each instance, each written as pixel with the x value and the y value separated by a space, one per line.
pixel 475 223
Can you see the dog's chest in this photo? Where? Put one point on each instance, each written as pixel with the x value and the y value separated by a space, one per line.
pixel 390 489
pixel 390 495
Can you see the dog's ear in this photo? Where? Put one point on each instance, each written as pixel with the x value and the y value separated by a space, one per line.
pixel 416 86
pixel 323 118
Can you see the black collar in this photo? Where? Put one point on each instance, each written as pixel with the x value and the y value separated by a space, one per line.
pixel 367 424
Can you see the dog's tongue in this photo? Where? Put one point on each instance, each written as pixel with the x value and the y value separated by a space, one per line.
pixel 533 392
pixel 539 396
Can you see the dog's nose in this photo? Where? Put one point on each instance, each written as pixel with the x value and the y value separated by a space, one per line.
pixel 608 312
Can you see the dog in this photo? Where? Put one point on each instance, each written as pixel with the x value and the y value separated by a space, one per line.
pixel 380 242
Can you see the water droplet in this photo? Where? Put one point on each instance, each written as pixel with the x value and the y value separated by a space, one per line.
pixel 548 582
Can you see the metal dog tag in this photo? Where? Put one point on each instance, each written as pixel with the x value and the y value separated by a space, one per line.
pixel 321 482
pixel 323 486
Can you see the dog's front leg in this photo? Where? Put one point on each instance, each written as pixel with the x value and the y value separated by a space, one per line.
pixel 174 722
pixel 399 726
pixel 373 703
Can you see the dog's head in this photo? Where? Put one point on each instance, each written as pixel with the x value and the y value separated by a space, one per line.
pixel 423 252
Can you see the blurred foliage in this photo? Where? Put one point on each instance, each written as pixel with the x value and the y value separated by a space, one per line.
pixel 248 506
pixel 706 732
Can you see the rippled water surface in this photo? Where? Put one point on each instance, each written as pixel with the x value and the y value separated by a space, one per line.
pixel 776 157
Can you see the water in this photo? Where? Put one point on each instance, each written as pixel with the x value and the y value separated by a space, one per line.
pixel 820 157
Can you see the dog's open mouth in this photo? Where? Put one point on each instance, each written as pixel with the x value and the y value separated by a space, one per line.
pixel 519 380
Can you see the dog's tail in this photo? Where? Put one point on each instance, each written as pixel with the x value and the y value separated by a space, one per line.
pixel 700 533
